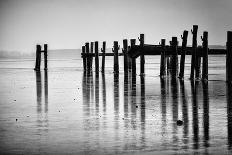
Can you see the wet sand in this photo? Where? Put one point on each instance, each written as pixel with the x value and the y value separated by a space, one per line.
pixel 68 111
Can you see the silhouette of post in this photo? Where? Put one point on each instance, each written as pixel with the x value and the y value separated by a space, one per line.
pixel 115 50
pixel 205 56
pixel 183 52
pixel 91 58
pixel 84 58
pixel 38 58
pixel 174 59
pixel 142 59
pixel 46 90
pixel 133 41
pixel 96 57
pixel 88 57
pixel 124 50
pixel 198 64
pixel 194 50
pixel 45 56
pixel 163 59
pixel 103 50
pixel 229 57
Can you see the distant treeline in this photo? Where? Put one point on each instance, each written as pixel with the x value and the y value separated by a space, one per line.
pixel 63 53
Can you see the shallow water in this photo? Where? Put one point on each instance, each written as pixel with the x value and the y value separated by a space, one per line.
pixel 67 111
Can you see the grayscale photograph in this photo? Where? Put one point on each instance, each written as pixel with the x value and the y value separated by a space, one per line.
pixel 115 77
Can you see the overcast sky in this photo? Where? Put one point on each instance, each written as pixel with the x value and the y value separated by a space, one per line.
pixel 68 24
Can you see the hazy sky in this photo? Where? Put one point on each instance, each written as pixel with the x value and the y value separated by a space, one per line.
pixel 68 24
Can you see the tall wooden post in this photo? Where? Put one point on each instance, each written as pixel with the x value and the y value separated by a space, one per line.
pixel 183 52
pixel 142 59
pixel 198 64
pixel 194 50
pixel 96 57
pixel 174 57
pixel 205 56
pixel 115 50
pixel 163 59
pixel 38 58
pixel 45 56
pixel 229 57
pixel 103 50
pixel 91 58
pixel 84 58
pixel 87 57
pixel 133 60
pixel 124 50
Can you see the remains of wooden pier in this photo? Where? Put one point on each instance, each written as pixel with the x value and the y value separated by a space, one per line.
pixel 169 64
pixel 169 56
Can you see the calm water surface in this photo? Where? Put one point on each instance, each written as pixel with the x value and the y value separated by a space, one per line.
pixel 67 111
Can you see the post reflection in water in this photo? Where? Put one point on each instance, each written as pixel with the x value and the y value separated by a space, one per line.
pixel 143 111
pixel 174 93
pixel 184 113
pixel 195 125
pixel 206 113
pixel 130 128
pixel 126 93
pixel 39 91
pixel 229 115
pixel 42 119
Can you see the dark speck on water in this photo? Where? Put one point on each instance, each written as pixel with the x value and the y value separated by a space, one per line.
pixel 179 122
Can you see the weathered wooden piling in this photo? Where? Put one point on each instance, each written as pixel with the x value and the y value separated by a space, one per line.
pixel 142 59
pixel 124 50
pixel 38 58
pixel 84 58
pixel 163 59
pixel 88 57
pixel 174 57
pixel 91 58
pixel 198 64
pixel 103 50
pixel 183 52
pixel 194 50
pixel 205 56
pixel 45 56
pixel 96 57
pixel 133 60
pixel 229 57
pixel 115 50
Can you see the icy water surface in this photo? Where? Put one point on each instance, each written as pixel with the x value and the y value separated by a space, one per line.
pixel 67 111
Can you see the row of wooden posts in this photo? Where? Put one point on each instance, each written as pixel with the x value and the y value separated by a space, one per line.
pixel 38 57
pixel 169 55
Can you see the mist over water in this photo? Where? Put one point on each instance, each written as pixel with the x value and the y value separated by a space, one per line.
pixel 67 111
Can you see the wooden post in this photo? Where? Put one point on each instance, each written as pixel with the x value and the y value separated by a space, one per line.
pixel 183 51
pixel 103 50
pixel 115 50
pixel 124 50
pixel 205 56
pixel 142 59
pixel 194 50
pixel 96 57
pixel 87 57
pixel 91 58
pixel 45 56
pixel 84 58
pixel 229 57
pixel 38 58
pixel 133 60
pixel 163 59
pixel 174 57
pixel 198 64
